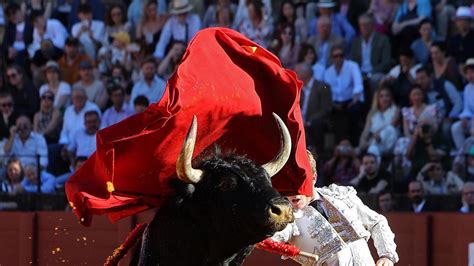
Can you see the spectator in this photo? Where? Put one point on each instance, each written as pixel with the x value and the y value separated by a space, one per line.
pixel 444 67
pixel 74 115
pixel 325 41
pixel 224 17
pixel 465 126
pixel 9 115
pixel 371 179
pixel 181 26
pixel 211 17
pixel 12 184
pixel 289 16
pixel 371 50
pixel 140 104
pixel 467 198
pixel 84 142
pixel 385 202
pixel 119 52
pixel 380 127
pixel 151 86
pixel 383 12
pixel 149 29
pixel 469 176
pixel 60 89
pixel 135 10
pixel 256 26
pixel 437 182
pixel 343 165
pixel 444 12
pixel 46 53
pixel 93 87
pixel 119 110
pixel 25 95
pixel 47 120
pixel 69 62
pixel 119 76
pixel 62 179
pixel 30 182
pixel 345 79
pixel 417 201
pixel 116 21
pixel 460 45
pixel 243 12
pixel 18 35
pixel 316 105
pixel 47 29
pixel 340 26
pixel 91 33
pixel 171 61
pixel 285 46
pixel 25 144
pixel 421 46
pixel 307 55
pixel 440 92
pixel 98 12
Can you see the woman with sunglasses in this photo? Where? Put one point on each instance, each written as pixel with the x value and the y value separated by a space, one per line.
pixel 61 90
pixel 116 21
pixel 285 46
pixel 47 120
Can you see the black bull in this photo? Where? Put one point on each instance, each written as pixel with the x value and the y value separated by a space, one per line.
pixel 219 211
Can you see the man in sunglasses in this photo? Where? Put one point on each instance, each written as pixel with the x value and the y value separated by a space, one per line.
pixel 8 118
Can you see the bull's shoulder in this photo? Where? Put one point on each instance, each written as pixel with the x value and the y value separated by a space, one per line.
pixel 335 191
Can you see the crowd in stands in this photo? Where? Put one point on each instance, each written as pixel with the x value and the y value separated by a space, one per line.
pixel 387 97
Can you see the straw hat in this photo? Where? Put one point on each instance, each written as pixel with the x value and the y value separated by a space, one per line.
pixel 180 7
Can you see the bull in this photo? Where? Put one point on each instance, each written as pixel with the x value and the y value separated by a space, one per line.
pixel 219 211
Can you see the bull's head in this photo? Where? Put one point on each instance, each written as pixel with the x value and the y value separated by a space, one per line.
pixel 235 192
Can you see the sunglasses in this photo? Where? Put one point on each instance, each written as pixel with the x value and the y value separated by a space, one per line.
pixel 6 104
pixel 337 55
pixel 14 75
pixel 47 97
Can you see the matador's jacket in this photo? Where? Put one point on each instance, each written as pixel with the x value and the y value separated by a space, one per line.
pixel 339 232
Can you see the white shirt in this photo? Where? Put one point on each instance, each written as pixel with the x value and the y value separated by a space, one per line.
pixel 366 65
pixel 418 208
pixel 347 83
pixel 83 144
pixel 468 108
pixel 55 31
pixel 318 71
pixel 63 89
pixel 98 33
pixel 111 116
pixel 26 152
pixel 153 92
pixel 19 45
pixel 74 121
pixel 175 30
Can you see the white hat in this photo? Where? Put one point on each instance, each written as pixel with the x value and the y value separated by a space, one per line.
pixel 469 63
pixel 180 7
pixel 463 12
pixel 326 3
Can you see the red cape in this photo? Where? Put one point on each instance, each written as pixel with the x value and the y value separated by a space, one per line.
pixel 232 85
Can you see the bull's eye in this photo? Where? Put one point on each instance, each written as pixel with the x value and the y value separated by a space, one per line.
pixel 227 184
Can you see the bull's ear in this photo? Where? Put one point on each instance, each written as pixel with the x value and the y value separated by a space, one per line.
pixel 181 188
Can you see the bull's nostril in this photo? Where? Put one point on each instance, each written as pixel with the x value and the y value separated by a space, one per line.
pixel 275 210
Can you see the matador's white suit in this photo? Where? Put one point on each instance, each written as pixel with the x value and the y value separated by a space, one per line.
pixel 341 238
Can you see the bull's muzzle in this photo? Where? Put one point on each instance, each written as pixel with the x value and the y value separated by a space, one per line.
pixel 280 213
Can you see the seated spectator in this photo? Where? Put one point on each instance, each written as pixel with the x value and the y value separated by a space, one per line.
pixel 47 29
pixel 243 12
pixel 380 131
pixel 30 182
pixel 441 93
pixel 135 10
pixel 316 106
pixel 371 50
pixel 325 41
pixel 383 12
pixel 116 21
pixel 18 35
pixel 285 46
pixel 93 87
pixel 119 52
pixel 467 198
pixel 403 75
pixel 181 26
pixel 444 67
pixel 371 179
pixel 385 202
pixel 9 115
pixel 91 33
pixel 149 29
pixel 69 62
pixel 47 120
pixel 25 95
pixel 345 80
pixel 417 201
pixel 256 26
pixel 60 89
pixel 119 110
pixel 62 179
pixel 421 46
pixel 151 86
pixel 460 45
pixel 444 14
pixel 140 104
pixel 465 126
pixel 46 53
pixel 25 144
pixel 84 142
pixel 171 61
pixel 74 115
pixel 11 184
pixel 98 11
pixel 307 55
pixel 340 26
pixel 437 182
pixel 211 17
pixel 343 165
pixel 224 17
pixel 290 14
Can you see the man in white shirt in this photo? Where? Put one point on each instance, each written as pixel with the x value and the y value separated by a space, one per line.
pixel 151 86
pixel 467 198
pixel 90 32
pixel 181 26
pixel 47 29
pixel 84 142
pixel 25 144
pixel 465 126
pixel 119 111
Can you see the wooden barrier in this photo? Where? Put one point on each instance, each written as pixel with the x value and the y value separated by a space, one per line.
pixel 55 238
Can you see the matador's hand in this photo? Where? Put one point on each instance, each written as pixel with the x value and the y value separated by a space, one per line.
pixel 384 262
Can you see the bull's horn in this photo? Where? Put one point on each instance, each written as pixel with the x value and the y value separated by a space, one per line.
pixel 277 164
pixel 184 168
